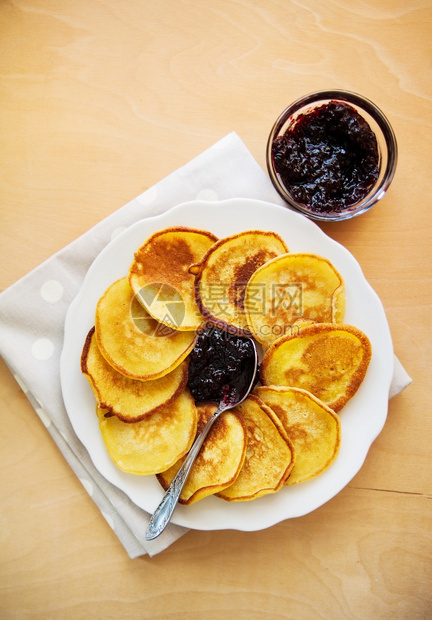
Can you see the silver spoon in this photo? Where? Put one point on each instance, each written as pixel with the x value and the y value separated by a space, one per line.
pixel 234 394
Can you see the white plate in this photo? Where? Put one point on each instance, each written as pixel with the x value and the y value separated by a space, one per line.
pixel 362 418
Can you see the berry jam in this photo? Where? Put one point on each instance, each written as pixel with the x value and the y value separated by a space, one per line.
pixel 219 360
pixel 328 160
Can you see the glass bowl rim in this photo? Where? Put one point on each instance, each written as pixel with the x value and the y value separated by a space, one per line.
pixel 388 136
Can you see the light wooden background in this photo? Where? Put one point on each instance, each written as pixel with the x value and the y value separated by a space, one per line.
pixel 100 99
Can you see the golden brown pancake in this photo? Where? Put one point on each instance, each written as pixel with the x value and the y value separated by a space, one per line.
pixel 291 288
pixel 132 341
pixel 160 275
pixel 269 455
pixel 129 399
pixel 155 443
pixel 225 271
pixel 326 359
pixel 313 428
pixel 219 461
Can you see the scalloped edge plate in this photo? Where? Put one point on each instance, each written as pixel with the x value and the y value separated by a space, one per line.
pixel 362 419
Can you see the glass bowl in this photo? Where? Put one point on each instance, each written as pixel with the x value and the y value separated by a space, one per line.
pixel 386 142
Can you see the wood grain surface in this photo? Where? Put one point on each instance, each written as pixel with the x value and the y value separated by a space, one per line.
pixel 100 99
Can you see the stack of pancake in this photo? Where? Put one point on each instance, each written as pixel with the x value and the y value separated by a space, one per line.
pixel 136 360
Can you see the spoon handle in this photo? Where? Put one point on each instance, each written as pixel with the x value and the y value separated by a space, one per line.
pixel 162 515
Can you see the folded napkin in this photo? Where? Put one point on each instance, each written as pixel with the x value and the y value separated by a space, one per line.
pixel 33 310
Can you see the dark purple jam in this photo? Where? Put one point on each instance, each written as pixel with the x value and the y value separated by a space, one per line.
pixel 218 360
pixel 328 160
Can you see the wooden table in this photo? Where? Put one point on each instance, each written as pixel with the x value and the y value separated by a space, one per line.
pixel 100 99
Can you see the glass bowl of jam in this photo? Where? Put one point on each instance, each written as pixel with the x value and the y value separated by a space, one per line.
pixel 332 155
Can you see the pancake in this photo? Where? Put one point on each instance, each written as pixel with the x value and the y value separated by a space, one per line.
pixel 326 359
pixel 154 444
pixel 313 428
pixel 291 288
pixel 269 455
pixel 160 276
pixel 219 460
pixel 225 271
pixel 129 399
pixel 133 342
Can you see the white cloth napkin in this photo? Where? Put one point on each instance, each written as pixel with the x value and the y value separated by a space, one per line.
pixel 33 310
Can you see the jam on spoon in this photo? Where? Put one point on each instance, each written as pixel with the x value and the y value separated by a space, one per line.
pixel 218 360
